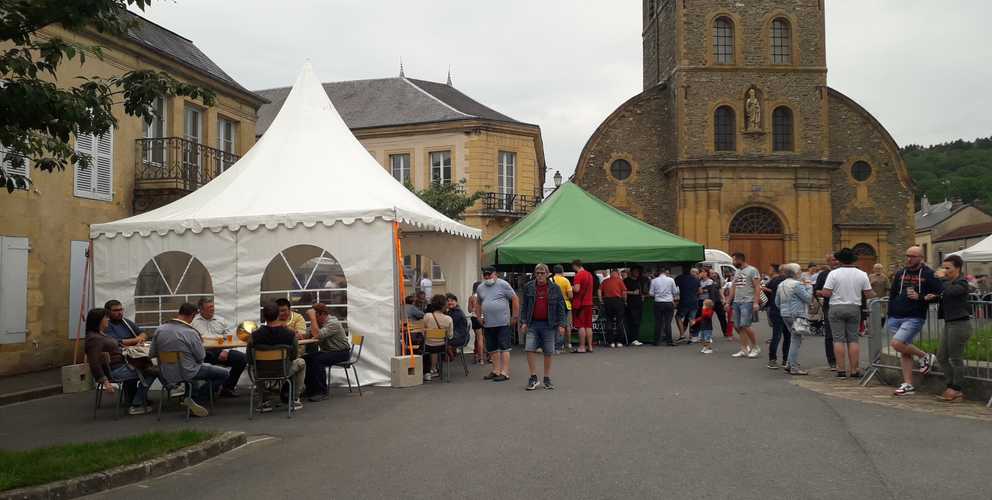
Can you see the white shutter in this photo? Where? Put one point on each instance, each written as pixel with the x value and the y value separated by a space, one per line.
pixel 13 289
pixel 96 182
pixel 24 169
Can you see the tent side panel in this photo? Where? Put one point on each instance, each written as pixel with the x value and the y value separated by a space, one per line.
pixel 457 256
pixel 365 254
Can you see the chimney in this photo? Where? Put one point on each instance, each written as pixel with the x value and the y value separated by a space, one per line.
pixel 925 205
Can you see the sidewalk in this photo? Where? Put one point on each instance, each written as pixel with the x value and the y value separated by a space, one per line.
pixel 28 386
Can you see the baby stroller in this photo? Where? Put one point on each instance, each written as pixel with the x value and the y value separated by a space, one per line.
pixel 815 314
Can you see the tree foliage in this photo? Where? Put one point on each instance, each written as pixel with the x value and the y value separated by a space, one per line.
pixel 448 198
pixel 958 169
pixel 39 114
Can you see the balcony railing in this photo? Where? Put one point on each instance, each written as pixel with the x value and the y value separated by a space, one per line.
pixel 177 164
pixel 508 204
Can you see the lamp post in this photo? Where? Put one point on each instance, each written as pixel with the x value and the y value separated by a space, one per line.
pixel 557 179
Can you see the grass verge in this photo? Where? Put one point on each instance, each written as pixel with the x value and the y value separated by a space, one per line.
pixel 19 469
pixel 979 347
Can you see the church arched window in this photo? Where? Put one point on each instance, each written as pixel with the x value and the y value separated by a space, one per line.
pixel 165 283
pixel 724 129
pixel 306 275
pixel 782 131
pixel 756 220
pixel 723 40
pixel 781 41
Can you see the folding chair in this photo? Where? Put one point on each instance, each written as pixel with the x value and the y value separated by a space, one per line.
pixel 461 354
pixel 269 364
pixel 434 335
pixel 173 358
pixel 100 386
pixel 356 340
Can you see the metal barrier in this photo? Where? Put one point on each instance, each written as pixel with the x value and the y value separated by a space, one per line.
pixel 978 355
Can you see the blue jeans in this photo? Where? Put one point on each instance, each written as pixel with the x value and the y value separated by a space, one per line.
pixel 135 393
pixel 904 329
pixel 215 375
pixel 706 335
pixel 795 343
pixel 743 314
pixel 541 334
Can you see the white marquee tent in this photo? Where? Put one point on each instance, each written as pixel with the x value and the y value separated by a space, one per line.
pixel 979 252
pixel 306 214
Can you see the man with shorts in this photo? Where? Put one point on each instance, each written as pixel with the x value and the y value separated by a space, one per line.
pixel 582 290
pixel 913 288
pixel 499 308
pixel 542 318
pixel 745 300
pixel 688 283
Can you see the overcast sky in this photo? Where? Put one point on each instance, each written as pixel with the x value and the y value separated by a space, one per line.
pixel 922 67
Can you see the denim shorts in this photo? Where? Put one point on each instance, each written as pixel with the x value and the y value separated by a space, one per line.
pixel 904 329
pixel 498 338
pixel 541 335
pixel 743 314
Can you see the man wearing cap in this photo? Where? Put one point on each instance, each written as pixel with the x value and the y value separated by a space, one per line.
pixel 499 308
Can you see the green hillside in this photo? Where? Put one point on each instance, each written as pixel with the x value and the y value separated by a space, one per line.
pixel 960 169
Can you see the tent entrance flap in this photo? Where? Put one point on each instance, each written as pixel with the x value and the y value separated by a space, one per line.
pixel 573 224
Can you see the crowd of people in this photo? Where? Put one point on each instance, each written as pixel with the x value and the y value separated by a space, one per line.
pixel 830 299
pixel 119 353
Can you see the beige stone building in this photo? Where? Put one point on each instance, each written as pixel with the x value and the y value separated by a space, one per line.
pixel 738 143
pixel 44 231
pixel 422 132
pixel 946 227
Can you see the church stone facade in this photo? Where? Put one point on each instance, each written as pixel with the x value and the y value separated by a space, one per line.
pixel 738 143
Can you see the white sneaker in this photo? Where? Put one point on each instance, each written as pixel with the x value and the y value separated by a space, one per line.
pixel 754 353
pixel 297 404
pixel 636 343
pixel 707 350
pixel 739 354
pixel 621 345
pixel 195 408
pixel 178 392
pixel 694 340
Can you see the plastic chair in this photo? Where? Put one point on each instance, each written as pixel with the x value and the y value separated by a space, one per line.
pixel 359 341
pixel 460 350
pixel 433 336
pixel 100 386
pixel 269 364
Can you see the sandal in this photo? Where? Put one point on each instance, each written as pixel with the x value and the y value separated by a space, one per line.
pixel 857 375
pixel 956 399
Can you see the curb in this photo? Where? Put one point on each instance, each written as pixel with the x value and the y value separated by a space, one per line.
pixel 130 474
pixel 29 394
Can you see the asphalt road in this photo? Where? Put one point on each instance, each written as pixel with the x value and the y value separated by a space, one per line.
pixel 633 423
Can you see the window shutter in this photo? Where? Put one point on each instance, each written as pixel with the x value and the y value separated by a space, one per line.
pixel 23 169
pixel 13 289
pixel 96 182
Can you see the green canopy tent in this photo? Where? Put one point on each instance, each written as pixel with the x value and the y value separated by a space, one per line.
pixel 573 224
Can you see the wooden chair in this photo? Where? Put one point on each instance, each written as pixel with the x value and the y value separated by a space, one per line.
pixel 433 336
pixel 269 364
pixel 356 341
pixel 173 358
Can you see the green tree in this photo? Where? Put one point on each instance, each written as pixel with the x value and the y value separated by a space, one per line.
pixel 38 117
pixel 448 198
pixel 957 169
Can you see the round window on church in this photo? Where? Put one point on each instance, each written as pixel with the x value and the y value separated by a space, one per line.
pixel 620 169
pixel 861 171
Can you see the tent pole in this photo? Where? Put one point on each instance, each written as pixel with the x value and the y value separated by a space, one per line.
pixel 82 302
pixel 406 340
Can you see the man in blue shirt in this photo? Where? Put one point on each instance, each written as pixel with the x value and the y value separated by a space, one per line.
pixel 120 327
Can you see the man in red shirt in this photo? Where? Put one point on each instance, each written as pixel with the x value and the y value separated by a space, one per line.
pixel 582 305
pixel 614 294
pixel 542 319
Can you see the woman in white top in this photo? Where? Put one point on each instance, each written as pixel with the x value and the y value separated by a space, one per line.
pixel 436 319
pixel 845 288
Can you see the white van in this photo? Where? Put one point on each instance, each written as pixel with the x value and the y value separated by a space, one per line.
pixel 720 261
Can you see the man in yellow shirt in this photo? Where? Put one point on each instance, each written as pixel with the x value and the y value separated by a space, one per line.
pixel 565 342
pixel 294 320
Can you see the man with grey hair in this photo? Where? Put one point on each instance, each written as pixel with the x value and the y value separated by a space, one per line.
pixel 542 319
pixel 213 326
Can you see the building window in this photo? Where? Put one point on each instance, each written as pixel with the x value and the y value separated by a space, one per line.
pixel 306 275
pixel 193 133
pixel 441 167
pixel 724 129
pixel 723 40
pixel 620 169
pixel 861 171
pixel 782 136
pixel 781 41
pixel 154 150
pixel 165 283
pixel 96 181
pixel 14 165
pixel 13 289
pixel 399 166
pixel 436 274
pixel 227 132
pixel 756 220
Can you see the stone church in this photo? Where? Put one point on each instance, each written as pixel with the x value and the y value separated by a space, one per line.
pixel 738 143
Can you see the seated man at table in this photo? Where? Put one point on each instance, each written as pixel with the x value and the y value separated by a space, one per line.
pixel 291 319
pixel 178 335
pixel 214 327
pixel 122 328
pixel 413 313
pixel 334 348
pixel 275 333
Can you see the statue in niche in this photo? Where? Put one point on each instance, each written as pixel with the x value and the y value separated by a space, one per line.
pixel 752 110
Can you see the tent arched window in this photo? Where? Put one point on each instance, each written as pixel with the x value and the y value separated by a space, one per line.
pixel 305 275
pixel 165 283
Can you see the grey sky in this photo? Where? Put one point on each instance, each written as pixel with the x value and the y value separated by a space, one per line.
pixel 920 66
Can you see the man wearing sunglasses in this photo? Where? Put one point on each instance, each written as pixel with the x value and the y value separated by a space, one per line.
pixel 913 288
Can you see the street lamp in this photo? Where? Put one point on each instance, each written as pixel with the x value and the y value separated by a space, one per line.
pixel 557 179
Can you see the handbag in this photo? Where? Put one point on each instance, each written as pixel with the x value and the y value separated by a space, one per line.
pixel 800 326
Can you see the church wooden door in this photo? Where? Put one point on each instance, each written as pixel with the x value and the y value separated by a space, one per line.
pixel 866 256
pixel 759 234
